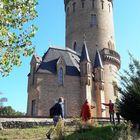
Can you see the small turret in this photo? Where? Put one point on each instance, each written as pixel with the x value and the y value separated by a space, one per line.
pixel 86 74
pixel 99 84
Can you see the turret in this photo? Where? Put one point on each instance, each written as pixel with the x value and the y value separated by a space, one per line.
pixel 99 85
pixel 86 80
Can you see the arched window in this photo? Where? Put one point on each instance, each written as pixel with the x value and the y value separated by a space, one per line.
pixel 75 46
pixel 60 76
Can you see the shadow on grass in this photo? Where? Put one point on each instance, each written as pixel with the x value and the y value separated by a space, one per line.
pixel 95 133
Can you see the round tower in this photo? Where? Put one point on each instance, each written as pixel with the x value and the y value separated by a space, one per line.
pixel 94 20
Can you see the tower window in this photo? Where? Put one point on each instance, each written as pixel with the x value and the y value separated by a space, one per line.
pixel 75 46
pixel 60 77
pixel 93 21
pixel 74 6
pixel 102 4
pixel 83 3
pixel 109 7
pixel 33 106
pixel 93 4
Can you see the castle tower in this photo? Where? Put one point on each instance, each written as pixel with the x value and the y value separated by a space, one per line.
pixel 94 19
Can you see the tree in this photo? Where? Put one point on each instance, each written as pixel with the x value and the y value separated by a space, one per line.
pixel 9 111
pixel 129 104
pixel 14 40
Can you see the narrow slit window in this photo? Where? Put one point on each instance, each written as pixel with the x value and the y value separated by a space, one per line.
pixel 93 4
pixel 83 3
pixel 109 7
pixel 74 7
pixel 75 46
pixel 102 2
pixel 60 77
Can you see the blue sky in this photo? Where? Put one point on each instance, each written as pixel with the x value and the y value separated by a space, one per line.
pixel 51 23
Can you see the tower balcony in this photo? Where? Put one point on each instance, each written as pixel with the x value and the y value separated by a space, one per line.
pixel 111 56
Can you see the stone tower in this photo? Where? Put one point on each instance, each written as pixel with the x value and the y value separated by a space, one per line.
pixel 94 19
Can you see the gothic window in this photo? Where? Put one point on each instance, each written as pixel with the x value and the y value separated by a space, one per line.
pixel 93 20
pixel 33 105
pixel 102 2
pixel 93 3
pixel 60 76
pixel 74 6
pixel 75 46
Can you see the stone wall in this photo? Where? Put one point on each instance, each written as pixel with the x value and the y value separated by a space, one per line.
pixel 47 91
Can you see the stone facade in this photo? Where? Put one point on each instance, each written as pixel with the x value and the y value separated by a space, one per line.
pixel 86 69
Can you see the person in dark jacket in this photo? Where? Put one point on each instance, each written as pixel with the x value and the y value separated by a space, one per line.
pixel 58 114
pixel 111 110
pixel 59 111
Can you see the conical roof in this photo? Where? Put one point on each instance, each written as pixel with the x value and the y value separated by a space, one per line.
pixel 84 54
pixel 98 61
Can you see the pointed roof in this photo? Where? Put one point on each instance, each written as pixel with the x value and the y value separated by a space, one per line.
pixel 84 54
pixel 98 60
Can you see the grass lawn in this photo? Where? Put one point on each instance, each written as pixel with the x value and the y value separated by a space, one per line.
pixel 39 133
pixel 23 134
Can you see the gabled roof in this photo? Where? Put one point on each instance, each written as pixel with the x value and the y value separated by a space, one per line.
pixel 98 60
pixel 50 59
pixel 84 54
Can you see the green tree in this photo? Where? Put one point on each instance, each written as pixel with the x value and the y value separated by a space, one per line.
pixel 129 105
pixel 9 111
pixel 15 40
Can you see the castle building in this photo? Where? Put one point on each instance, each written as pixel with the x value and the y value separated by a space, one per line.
pixel 85 69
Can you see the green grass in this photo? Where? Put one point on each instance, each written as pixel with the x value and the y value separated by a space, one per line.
pixel 96 133
pixel 39 133
pixel 23 134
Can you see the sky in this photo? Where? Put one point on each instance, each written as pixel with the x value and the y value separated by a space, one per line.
pixel 51 24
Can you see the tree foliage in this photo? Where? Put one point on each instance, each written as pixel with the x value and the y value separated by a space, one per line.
pixel 129 105
pixel 15 41
pixel 9 111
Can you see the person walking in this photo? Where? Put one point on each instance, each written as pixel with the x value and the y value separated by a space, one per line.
pixel 57 112
pixel 111 110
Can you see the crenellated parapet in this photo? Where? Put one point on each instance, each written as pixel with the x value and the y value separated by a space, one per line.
pixel 111 56
pixel 67 1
